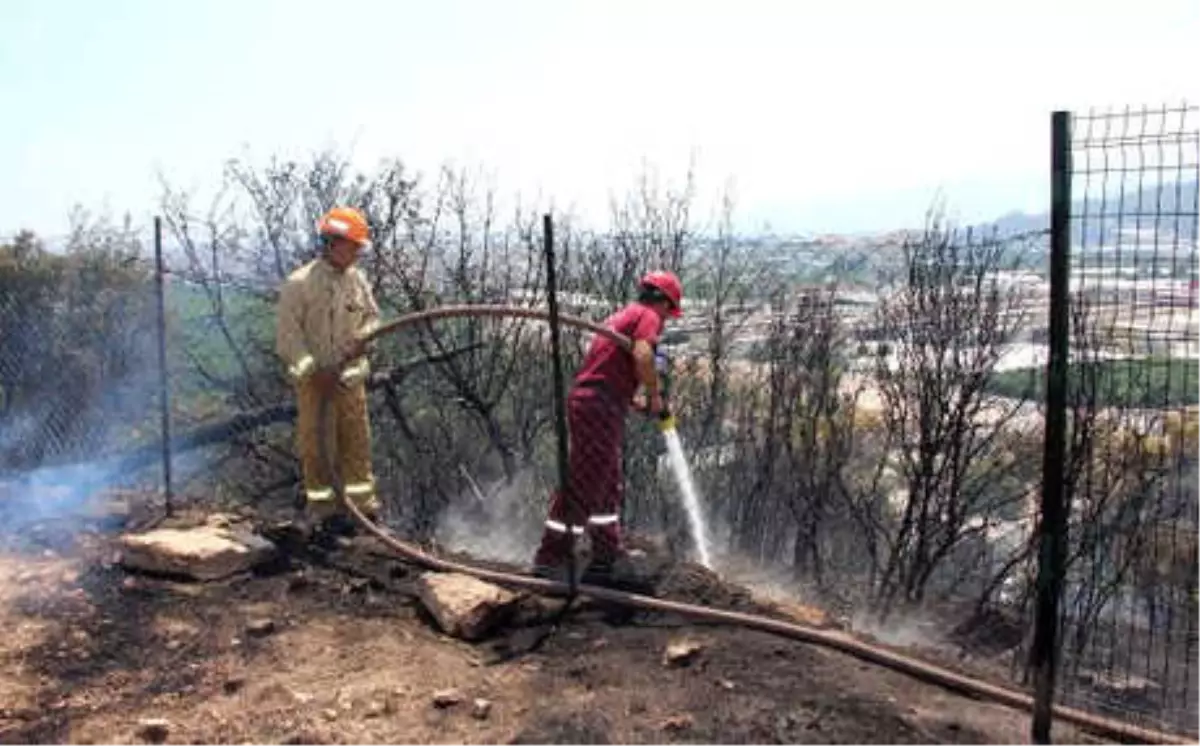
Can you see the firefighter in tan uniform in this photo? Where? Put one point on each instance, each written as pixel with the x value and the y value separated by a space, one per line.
pixel 326 309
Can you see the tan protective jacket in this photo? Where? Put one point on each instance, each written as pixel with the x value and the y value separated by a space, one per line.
pixel 321 313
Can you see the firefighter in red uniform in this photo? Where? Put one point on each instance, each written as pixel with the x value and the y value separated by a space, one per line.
pixel 605 388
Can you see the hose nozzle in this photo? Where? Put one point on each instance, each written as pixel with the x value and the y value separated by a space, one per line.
pixel 662 364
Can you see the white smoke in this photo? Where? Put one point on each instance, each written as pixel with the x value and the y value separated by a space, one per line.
pixel 496 521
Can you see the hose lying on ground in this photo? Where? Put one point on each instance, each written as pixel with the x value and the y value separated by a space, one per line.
pixel 945 678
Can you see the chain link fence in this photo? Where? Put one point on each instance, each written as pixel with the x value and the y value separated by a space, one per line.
pixel 77 367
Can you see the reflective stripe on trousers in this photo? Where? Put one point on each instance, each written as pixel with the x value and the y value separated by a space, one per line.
pixel 353 491
pixel 593 494
pixel 349 447
pixel 596 520
pixel 319 495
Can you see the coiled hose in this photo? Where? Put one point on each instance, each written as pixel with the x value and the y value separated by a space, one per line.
pixel 942 677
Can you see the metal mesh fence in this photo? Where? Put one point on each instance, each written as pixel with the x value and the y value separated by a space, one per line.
pixel 1129 610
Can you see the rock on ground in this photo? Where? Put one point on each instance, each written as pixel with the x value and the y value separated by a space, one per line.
pixel 481 709
pixel 464 606
pixel 447 698
pixel 681 652
pixel 154 730
pixel 203 552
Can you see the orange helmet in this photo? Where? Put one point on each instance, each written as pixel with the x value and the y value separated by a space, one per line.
pixel 346 222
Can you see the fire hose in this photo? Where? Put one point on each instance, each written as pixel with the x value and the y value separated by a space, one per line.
pixel 844 643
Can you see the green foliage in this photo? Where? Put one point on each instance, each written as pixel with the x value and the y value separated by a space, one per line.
pixel 76 328
pixel 1147 383
pixel 200 356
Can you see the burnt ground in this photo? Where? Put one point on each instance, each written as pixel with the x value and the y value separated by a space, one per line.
pixel 349 656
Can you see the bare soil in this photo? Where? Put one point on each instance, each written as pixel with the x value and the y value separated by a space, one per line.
pixel 334 648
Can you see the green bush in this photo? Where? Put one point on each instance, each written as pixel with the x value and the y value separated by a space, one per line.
pixel 77 354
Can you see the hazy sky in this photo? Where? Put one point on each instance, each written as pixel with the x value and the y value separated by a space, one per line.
pixel 828 116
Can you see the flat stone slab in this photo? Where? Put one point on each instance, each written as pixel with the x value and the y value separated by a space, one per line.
pixel 208 552
pixel 465 607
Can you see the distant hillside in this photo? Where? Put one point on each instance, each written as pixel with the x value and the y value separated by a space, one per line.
pixel 1169 212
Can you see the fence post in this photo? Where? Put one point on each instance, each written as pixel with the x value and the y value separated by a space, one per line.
pixel 1052 534
pixel 163 389
pixel 560 405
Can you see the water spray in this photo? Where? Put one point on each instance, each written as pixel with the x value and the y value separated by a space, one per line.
pixel 679 465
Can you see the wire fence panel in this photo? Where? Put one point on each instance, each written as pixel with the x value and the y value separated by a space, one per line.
pixel 1129 609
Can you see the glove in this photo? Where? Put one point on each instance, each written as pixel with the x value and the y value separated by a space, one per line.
pixel 661 364
pixel 653 405
pixel 356 349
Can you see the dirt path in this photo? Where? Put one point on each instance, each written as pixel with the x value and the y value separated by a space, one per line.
pixel 341 653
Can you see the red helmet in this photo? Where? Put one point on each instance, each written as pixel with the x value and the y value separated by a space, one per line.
pixel 667 284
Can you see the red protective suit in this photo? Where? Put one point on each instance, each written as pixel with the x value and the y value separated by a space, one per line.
pixel 596 409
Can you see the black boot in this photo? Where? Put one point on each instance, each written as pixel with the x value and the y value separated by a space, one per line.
pixel 622 572
pixel 340 525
